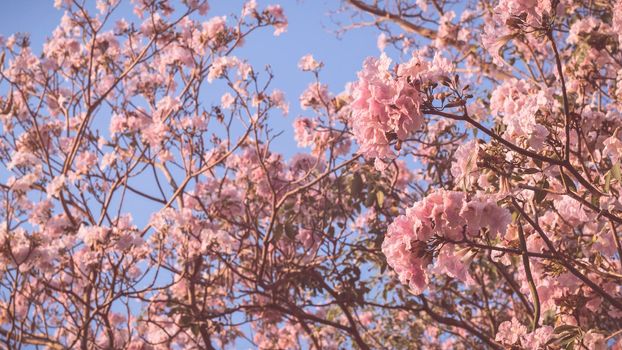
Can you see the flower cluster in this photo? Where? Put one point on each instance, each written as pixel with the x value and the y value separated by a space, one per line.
pixel 532 11
pixel 387 105
pixel 447 216
pixel 518 103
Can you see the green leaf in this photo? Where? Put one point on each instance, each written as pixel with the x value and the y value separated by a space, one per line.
pixel 380 198
pixel 540 195
pixel 615 171
pixel 538 162
pixel 356 186
pixel 185 320
pixel 607 182
pixel 564 328
pixel 289 204
pixel 278 233
pixel 595 201
pixel 567 339
pixel 567 180
pixel 290 230
pixel 371 198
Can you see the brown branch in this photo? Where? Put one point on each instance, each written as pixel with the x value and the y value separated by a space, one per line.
pixel 406 25
pixel 613 301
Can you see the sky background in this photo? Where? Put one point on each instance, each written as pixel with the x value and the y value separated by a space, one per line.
pixel 311 30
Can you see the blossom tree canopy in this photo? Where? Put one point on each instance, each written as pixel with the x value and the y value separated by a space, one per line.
pixel 462 192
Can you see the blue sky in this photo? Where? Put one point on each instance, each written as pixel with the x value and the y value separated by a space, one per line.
pixel 311 30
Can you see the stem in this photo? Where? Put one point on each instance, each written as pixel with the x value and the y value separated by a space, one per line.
pixel 558 63
pixel 565 263
pixel 452 322
pixel 532 284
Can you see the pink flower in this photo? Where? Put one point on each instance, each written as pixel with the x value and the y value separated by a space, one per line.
pixel 381 42
pixel 585 26
pixel 304 129
pixel 278 18
pixel 127 123
pixel 445 214
pixel 446 29
pixel 55 186
pixel 227 100
pixel 84 161
pixel 537 338
pixel 220 65
pixel 570 210
pixel 483 212
pixel 612 149
pixel 92 235
pixel 594 341
pixel 510 332
pixel 493 40
pixel 249 7
pixel 386 106
pixel 308 63
pixel 22 159
pixel 450 262
pixel 366 318
pixel 464 167
pixel 507 9
pixel 277 97
pixel 201 5
pixel 404 255
pixel 155 133
pixel 307 238
pixel 617 19
pixel 316 96
pixel 517 102
pixel 215 26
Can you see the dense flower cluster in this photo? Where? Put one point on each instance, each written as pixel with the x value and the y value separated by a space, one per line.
pixel 387 105
pixel 520 105
pixel 533 11
pixel 441 215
